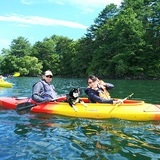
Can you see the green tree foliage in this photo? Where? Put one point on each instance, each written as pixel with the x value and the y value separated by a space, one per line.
pixel 17 59
pixel 109 12
pixel 29 66
pixel 55 53
pixel 45 51
pixel 121 48
pixel 122 42
pixel 66 51
pixel 82 57
pixel 8 64
pixel 129 41
pixel 148 12
pixel 20 47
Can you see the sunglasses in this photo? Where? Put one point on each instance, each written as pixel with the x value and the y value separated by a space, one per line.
pixel 90 82
pixel 49 76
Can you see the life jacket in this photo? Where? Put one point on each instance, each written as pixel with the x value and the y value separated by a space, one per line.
pixel 48 90
pixel 103 93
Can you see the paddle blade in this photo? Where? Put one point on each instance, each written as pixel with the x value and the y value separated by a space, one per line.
pixel 24 108
pixel 21 112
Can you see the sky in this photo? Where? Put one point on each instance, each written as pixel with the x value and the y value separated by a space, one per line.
pixel 39 19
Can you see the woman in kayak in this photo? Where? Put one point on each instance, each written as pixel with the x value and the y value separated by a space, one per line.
pixel 97 90
pixel 43 91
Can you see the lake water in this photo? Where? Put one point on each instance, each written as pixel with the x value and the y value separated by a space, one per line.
pixel 49 137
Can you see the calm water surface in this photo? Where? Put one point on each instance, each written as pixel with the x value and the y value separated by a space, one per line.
pixel 46 137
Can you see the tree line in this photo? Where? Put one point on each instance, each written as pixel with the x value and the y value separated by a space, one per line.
pixel 123 42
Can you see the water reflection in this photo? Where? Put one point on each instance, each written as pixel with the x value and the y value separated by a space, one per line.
pixel 47 136
pixel 21 129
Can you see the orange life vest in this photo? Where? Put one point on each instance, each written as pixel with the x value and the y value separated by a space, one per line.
pixel 103 93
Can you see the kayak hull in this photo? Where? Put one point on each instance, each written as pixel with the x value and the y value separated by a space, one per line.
pixel 129 110
pixel 5 84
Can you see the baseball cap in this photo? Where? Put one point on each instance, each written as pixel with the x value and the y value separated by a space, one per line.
pixel 48 73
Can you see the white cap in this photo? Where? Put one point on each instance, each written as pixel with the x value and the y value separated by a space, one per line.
pixel 48 73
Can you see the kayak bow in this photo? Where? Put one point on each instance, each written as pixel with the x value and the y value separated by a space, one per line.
pixel 5 84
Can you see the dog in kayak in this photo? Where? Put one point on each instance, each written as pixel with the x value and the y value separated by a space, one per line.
pixel 74 97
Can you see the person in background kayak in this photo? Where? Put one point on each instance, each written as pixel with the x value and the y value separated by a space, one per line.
pixel 1 78
pixel 97 91
pixel 43 91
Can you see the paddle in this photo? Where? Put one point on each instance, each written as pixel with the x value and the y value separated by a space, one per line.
pixel 125 99
pixel 24 108
pixel 121 102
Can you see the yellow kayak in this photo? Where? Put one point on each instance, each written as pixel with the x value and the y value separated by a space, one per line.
pixel 16 74
pixel 5 84
pixel 129 110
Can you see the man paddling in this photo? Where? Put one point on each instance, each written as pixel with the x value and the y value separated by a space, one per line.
pixel 43 90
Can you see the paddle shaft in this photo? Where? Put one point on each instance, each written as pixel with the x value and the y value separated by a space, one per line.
pixel 25 107
pixel 127 97
pixel 121 102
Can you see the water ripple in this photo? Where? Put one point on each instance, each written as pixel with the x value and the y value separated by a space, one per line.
pixel 48 137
